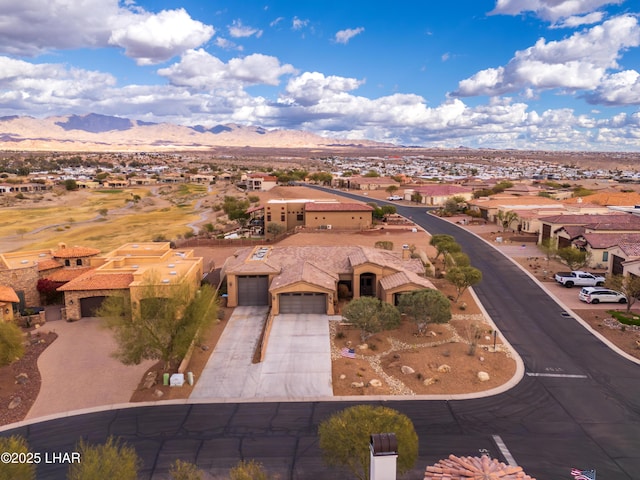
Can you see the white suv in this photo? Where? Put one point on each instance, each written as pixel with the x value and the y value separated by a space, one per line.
pixel 601 295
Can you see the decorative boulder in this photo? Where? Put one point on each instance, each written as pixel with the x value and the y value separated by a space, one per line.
pixel 484 376
pixel 444 368
pixel 375 383
pixel 407 370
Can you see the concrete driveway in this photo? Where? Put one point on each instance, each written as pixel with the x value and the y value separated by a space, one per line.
pixel 78 371
pixel 297 362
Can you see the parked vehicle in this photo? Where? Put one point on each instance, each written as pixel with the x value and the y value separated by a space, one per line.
pixel 394 197
pixel 579 278
pixel 601 295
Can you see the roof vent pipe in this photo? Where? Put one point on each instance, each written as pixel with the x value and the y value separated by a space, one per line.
pixel 383 449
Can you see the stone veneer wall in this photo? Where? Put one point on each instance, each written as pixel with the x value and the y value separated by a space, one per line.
pixel 25 280
pixel 72 300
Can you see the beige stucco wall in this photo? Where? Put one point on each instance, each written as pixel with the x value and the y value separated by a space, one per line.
pixel 340 220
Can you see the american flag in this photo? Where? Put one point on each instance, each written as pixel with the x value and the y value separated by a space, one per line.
pixel 348 352
pixel 583 474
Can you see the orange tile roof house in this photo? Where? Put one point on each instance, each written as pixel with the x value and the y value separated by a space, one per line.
pixel 8 299
pixel 21 270
pixel 127 271
pixel 308 279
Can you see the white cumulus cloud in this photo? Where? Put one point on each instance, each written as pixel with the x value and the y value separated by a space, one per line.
pixel 201 70
pixel 343 36
pixel 551 10
pixel 576 63
pixel 159 37
pixel 238 30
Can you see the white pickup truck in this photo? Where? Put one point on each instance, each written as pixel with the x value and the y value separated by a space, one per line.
pixel 579 278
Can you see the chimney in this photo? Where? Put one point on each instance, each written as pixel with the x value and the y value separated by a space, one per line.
pixel 383 449
pixel 406 252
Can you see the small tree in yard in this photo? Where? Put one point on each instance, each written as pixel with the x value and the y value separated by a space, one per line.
pixel 275 228
pixel 11 347
pixel 113 459
pixel 370 315
pixel 425 306
pixel 163 327
pixel 572 257
pixel 344 438
pixel 391 189
pixel 549 249
pixel 629 285
pixel 16 471
pixel 463 278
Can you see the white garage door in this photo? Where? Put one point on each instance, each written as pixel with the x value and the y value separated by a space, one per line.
pixel 304 302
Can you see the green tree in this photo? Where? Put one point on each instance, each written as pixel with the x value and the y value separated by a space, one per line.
pixel 345 436
pixel 70 184
pixel 248 470
pixel 506 218
pixel 235 208
pixel 112 459
pixel 370 316
pixel 391 189
pixel 459 259
pixel 371 174
pixel 450 207
pixel 275 228
pixel 549 249
pixel 425 306
pixel 629 285
pixel 181 470
pixel 463 278
pixel 572 257
pixel 388 210
pixel 11 346
pixel 16 471
pixel 416 197
pixel 445 244
pixel 164 324
pixel 323 178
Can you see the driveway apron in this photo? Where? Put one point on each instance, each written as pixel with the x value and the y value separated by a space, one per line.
pixel 297 363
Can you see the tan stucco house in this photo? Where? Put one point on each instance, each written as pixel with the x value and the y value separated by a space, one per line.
pixel 128 271
pixel 307 279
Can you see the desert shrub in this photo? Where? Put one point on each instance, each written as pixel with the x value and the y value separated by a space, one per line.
pixel 248 470
pixel 181 470
pixel 384 245
pixel 11 346
pixel 16 471
pixel 112 459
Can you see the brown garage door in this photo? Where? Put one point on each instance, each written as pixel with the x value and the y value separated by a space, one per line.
pixel 88 306
pixel 253 290
pixel 303 302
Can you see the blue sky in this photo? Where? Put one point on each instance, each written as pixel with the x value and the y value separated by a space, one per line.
pixel 525 74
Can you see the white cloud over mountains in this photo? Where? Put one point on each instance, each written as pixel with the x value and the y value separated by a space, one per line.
pixel 203 89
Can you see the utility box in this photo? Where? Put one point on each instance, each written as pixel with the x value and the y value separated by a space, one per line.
pixel 383 449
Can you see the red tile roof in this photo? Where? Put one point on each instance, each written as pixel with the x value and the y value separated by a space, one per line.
pixel 48 264
pixel 93 280
pixel 67 274
pixel 8 294
pixel 75 252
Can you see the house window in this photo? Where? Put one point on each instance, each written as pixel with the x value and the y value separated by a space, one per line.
pixel 268 216
pixel 67 263
pixel 282 217
pixel 79 262
pixel 300 217
pixel 605 256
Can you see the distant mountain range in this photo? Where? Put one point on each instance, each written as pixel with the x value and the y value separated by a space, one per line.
pixel 93 132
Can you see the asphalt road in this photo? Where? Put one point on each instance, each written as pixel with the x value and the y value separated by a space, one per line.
pixel 578 404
